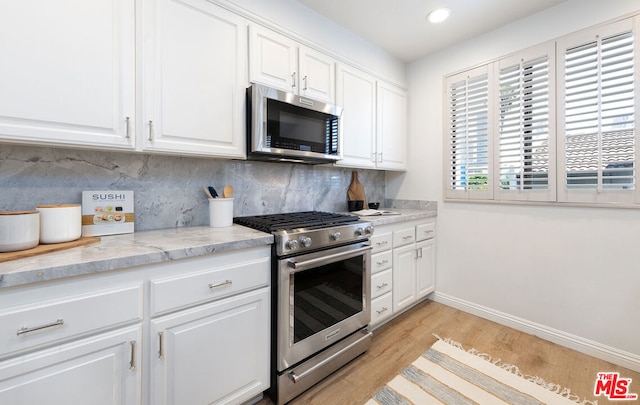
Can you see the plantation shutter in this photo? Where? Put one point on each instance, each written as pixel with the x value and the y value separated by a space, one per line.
pixel 599 151
pixel 525 131
pixel 468 156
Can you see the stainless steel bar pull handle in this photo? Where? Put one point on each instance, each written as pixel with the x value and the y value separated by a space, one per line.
pixel 160 345
pixel 127 134
pixel 382 310
pixel 150 130
pixel 132 362
pixel 26 329
pixel 305 83
pixel 293 80
pixel 383 285
pixel 304 265
pixel 220 285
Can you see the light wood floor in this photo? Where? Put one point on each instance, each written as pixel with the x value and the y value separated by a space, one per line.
pixel 401 341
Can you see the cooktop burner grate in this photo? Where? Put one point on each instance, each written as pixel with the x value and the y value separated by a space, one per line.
pixel 293 220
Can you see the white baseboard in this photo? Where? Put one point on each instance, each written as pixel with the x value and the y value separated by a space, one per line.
pixel 595 349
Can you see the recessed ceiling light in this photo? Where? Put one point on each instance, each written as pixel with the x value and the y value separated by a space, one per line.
pixel 439 15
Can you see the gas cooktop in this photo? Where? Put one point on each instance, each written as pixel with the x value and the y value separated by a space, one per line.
pixel 298 232
pixel 294 220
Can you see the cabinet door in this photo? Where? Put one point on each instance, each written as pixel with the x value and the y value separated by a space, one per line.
pixel 317 75
pixel 214 353
pixel 391 127
pixel 356 94
pixel 404 277
pixel 273 59
pixel 194 79
pixel 425 267
pixel 102 370
pixel 67 72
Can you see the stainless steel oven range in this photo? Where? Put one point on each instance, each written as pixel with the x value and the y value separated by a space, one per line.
pixel 321 273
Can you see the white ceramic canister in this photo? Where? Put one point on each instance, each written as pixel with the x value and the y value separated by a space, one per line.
pixel 60 223
pixel 19 230
pixel 220 212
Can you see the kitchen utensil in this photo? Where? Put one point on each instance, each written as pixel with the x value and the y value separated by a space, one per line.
pixel 213 192
pixel 374 205
pixel 227 191
pixel 356 189
pixel 19 230
pixel 60 223
pixel 206 191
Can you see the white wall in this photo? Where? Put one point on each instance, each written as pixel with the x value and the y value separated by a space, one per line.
pixel 571 275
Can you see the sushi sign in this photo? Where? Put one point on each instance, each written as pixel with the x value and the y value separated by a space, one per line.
pixel 107 212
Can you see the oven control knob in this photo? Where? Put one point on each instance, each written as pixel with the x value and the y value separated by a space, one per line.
pixel 305 241
pixel 292 244
pixel 359 231
pixel 335 236
pixel 368 230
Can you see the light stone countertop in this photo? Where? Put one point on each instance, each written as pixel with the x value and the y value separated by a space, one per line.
pixel 127 250
pixel 405 215
pixel 115 252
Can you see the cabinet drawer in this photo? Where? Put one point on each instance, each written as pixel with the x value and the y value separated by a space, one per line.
pixel 381 283
pixel 426 231
pixel 381 308
pixel 34 325
pixel 381 261
pixel 211 282
pixel 381 242
pixel 404 236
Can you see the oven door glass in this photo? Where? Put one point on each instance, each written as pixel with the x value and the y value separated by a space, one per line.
pixel 327 295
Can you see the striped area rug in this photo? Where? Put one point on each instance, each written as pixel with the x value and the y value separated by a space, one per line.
pixel 447 374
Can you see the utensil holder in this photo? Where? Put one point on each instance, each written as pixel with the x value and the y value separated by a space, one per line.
pixel 220 212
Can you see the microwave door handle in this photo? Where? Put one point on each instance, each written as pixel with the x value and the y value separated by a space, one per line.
pixel 308 264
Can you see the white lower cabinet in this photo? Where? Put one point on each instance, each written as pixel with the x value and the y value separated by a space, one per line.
pixel 404 277
pixel 190 331
pixel 210 329
pixel 214 353
pixel 403 267
pixel 76 342
pixel 99 370
pixel 425 268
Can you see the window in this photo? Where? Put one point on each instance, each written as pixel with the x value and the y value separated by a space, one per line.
pixel 519 131
pixel 598 141
pixel 525 130
pixel 469 164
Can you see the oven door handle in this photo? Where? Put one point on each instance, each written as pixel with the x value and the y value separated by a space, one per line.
pixel 311 263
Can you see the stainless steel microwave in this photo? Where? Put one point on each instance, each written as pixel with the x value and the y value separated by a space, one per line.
pixel 284 126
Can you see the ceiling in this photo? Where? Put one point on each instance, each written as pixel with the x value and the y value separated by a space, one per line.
pixel 400 26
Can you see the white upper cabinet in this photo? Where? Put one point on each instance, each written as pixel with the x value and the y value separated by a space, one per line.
pixel 317 78
pixel 273 59
pixel 194 79
pixel 373 121
pixel 67 72
pixel 280 62
pixel 356 94
pixel 391 126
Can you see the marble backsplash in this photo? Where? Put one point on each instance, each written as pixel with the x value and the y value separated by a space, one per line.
pixel 168 189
